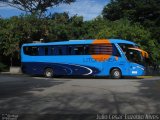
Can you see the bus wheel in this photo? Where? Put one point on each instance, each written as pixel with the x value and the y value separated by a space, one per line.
pixel 48 72
pixel 116 74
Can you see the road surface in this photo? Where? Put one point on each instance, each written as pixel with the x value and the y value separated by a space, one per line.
pixel 37 96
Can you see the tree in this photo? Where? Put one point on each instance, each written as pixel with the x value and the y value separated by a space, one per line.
pixel 33 28
pixel 146 12
pixel 10 38
pixel 63 27
pixel 18 30
pixel 75 27
pixel 37 7
pixel 135 10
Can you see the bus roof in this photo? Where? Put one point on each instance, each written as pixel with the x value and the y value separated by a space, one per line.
pixel 71 42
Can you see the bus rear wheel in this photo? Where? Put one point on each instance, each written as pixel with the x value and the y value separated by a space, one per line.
pixel 116 74
pixel 48 72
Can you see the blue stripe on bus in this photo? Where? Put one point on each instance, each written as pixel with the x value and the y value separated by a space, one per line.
pixel 58 68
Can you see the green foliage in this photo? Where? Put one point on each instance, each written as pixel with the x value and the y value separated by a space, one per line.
pixel 145 12
pixel 122 29
pixel 27 28
pixel 136 10
pixel 2 66
pixel 10 36
pixel 33 28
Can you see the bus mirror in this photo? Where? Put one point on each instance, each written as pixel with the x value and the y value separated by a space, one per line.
pixel 144 53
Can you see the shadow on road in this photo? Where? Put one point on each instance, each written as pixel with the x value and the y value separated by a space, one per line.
pixel 96 77
pixel 40 99
pixel 21 86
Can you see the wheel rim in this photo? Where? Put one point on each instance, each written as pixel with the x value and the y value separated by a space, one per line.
pixel 116 74
pixel 49 73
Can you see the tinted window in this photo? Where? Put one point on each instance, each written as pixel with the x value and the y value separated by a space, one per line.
pixel 104 49
pixel 86 50
pixel 134 56
pixel 52 50
pixel 100 49
pixel 69 48
pixel 36 51
pixel 58 50
pixel 33 51
pixel 115 51
pixel 46 50
pixel 78 50
pixel 125 46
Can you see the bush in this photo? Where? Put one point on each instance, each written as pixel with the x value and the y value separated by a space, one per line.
pixel 2 67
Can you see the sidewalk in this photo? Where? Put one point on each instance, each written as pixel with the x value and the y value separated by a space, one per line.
pixel 11 73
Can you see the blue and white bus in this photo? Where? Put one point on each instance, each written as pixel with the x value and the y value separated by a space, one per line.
pixel 95 57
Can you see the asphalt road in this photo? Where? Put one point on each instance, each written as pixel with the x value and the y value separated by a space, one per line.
pixel 36 96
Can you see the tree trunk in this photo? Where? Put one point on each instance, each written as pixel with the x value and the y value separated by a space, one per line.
pixel 11 61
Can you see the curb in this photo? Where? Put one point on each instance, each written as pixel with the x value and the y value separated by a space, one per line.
pixel 8 73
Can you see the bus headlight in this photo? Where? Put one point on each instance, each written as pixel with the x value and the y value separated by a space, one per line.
pixel 140 67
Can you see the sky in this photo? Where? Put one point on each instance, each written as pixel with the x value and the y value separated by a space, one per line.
pixel 89 9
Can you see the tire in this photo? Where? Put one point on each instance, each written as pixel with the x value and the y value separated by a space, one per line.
pixel 48 72
pixel 116 74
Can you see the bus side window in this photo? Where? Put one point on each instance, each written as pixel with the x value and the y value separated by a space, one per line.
pixel 70 50
pixel 64 49
pixel 35 51
pixel 101 49
pixel 78 50
pixel 86 50
pixel 81 50
pixel 46 50
pixel 55 52
pixel 32 51
pixel 41 51
pixel 60 50
pixel 27 50
pixel 52 51
pixel 115 51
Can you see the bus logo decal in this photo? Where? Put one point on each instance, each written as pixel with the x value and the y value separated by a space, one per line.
pixel 101 49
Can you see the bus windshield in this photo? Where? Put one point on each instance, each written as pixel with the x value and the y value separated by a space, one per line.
pixel 134 56
pixel 134 53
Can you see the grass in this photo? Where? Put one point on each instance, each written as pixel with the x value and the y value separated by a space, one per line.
pixel 144 76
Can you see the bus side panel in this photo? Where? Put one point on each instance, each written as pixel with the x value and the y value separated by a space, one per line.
pixel 113 63
pixel 58 68
pixel 38 68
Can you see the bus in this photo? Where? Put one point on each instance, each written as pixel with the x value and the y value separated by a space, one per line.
pixel 95 57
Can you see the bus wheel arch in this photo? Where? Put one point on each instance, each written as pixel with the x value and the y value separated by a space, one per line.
pixel 48 72
pixel 115 73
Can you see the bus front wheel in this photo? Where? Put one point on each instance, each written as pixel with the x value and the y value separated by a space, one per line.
pixel 48 72
pixel 116 74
